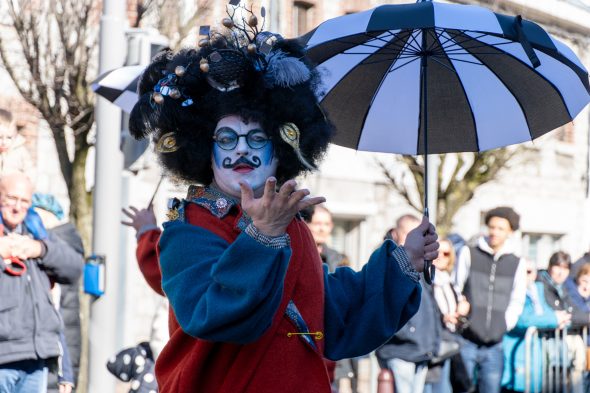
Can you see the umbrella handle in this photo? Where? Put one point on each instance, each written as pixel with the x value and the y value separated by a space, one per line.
pixel 429 270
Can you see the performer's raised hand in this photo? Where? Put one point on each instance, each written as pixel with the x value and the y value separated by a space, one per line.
pixel 422 244
pixel 139 217
pixel 272 213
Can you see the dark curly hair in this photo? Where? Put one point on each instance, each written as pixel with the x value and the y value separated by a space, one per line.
pixel 193 125
pixel 504 212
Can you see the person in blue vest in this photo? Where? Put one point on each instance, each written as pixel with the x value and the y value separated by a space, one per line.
pixel 492 280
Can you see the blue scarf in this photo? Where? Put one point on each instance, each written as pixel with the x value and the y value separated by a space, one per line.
pixel 33 224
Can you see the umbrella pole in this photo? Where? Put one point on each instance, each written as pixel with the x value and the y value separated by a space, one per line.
pixel 429 269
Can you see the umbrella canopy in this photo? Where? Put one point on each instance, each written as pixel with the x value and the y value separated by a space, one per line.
pixel 119 86
pixel 467 78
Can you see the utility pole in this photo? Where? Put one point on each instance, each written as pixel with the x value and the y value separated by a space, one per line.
pixel 105 311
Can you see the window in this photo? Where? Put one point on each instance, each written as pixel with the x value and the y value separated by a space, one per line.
pixel 538 247
pixel 346 239
pixel 301 17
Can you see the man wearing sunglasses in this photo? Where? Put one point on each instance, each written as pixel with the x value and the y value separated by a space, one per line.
pixel 31 261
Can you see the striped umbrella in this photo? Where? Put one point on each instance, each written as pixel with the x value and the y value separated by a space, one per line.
pixel 467 78
pixel 430 77
pixel 119 86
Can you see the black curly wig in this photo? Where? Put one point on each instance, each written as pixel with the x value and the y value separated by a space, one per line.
pixel 193 125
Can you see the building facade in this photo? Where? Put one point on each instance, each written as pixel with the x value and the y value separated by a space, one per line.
pixel 548 186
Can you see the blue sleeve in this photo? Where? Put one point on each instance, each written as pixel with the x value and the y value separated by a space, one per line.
pixel 219 291
pixel 364 309
pixel 66 372
pixel 529 318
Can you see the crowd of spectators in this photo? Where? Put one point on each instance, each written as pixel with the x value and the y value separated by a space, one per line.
pixel 487 299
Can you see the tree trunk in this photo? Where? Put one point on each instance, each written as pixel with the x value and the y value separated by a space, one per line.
pixel 81 216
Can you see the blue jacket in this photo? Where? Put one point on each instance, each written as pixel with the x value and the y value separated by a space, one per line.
pixel 513 344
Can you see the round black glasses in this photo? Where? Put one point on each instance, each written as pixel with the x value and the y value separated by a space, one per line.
pixel 227 139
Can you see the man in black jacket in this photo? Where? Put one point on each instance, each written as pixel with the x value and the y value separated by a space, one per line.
pixel 408 352
pixel 29 324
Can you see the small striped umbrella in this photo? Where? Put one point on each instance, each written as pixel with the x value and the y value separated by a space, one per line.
pixel 119 86
pixel 430 77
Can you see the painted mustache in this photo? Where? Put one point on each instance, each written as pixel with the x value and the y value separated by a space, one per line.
pixel 254 163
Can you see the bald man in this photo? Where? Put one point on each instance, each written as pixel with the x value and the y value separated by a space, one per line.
pixel 31 260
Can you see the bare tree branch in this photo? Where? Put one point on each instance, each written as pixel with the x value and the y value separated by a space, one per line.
pixel 454 189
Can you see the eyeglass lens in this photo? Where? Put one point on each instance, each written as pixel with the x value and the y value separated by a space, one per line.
pixel 227 139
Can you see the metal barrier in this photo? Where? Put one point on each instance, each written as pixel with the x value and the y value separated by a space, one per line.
pixel 553 356
pixel 531 336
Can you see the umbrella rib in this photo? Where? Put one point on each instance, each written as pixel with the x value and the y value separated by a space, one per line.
pixel 446 39
pixel 403 65
pixel 467 53
pixel 444 65
pixel 388 60
pixel 412 40
pixel 455 35
pixel 459 48
pixel 383 38
pixel 466 61
pixel 435 40
pixel 357 44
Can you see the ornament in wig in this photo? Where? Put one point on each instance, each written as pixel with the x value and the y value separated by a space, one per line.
pixel 237 69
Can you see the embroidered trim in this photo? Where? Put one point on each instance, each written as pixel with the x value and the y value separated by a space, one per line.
pixel 401 256
pixel 216 202
pixel 295 317
pixel 274 242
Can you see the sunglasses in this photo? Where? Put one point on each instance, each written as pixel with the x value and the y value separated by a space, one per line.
pixel 227 139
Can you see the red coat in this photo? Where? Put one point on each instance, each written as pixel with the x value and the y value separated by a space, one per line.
pixel 188 364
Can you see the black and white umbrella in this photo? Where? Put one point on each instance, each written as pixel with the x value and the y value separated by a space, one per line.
pixel 119 86
pixel 487 80
pixel 429 78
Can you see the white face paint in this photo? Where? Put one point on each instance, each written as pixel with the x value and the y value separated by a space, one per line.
pixel 242 162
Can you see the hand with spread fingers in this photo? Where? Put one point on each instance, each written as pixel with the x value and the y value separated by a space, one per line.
pixel 139 218
pixel 272 213
pixel 422 244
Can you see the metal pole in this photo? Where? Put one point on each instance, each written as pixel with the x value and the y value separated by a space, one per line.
pixel 104 340
pixel 428 266
pixel 529 342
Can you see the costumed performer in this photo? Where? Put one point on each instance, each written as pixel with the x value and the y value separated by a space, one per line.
pixel 253 310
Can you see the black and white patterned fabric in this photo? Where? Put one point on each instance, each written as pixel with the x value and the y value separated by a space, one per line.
pixel 135 365
pixel 119 86
pixel 492 80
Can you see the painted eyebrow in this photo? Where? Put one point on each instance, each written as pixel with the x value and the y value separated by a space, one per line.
pixel 232 130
